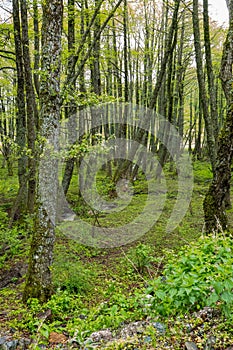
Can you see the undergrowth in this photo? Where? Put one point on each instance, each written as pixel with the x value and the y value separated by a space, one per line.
pixel 166 278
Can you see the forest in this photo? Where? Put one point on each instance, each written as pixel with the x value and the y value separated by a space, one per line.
pixel 116 146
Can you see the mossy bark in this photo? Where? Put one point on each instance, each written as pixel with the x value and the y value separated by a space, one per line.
pixel 38 280
pixel 217 196
pixel 211 142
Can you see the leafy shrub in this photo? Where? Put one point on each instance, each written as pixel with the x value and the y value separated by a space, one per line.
pixel 3 217
pixel 72 276
pixel 141 257
pixel 11 243
pixel 199 275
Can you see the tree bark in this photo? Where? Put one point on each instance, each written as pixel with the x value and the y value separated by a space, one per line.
pixel 20 116
pixel 38 281
pixel 95 60
pixel 168 52
pixel 214 202
pixel 31 109
pixel 210 72
pixel 36 48
pixel 203 96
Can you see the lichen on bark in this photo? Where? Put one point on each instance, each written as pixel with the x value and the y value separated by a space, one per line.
pixel 38 280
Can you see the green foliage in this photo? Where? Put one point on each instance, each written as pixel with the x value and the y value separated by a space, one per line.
pixel 79 150
pixel 72 276
pixel 203 172
pixel 11 243
pixel 199 275
pixel 141 257
pixel 105 186
pixel 3 218
pixel 98 288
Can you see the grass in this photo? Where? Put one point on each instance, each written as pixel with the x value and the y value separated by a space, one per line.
pixel 98 288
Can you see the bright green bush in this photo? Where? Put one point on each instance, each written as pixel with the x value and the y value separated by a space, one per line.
pixel 199 275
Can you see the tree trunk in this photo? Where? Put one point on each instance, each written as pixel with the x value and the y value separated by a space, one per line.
pixel 36 48
pixel 203 96
pixel 95 60
pixel 214 203
pixel 168 52
pixel 210 73
pixel 71 109
pixel 126 72
pixel 20 114
pixel 38 281
pixel 31 109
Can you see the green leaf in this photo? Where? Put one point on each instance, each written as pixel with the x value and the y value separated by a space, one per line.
pixel 227 297
pixel 160 294
pixel 172 292
pixel 213 298
pixel 192 300
pixel 218 286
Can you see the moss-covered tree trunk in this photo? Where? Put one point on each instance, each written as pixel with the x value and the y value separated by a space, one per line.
pixel 20 205
pixel 214 203
pixel 31 108
pixel 211 142
pixel 38 282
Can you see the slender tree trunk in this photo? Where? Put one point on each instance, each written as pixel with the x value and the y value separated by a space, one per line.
pixel 210 73
pixel 95 61
pixel 203 96
pixel 36 48
pixel 117 75
pixel 126 65
pixel 21 201
pixel 168 51
pixel 190 139
pixel 31 109
pixel 71 109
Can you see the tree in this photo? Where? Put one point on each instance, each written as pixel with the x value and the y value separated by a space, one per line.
pixel 168 50
pixel 21 111
pixel 202 89
pixel 31 108
pixel 210 73
pixel 38 282
pixel 214 202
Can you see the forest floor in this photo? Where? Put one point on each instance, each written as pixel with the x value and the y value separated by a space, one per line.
pixel 114 289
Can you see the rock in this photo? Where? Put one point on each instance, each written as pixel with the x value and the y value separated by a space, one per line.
pixel 6 343
pixel 190 346
pixel 189 327
pixel 2 340
pixel 207 313
pixel 210 343
pixel 24 343
pixel 103 335
pixel 12 345
pixel 132 329
pixel 147 339
pixel 161 328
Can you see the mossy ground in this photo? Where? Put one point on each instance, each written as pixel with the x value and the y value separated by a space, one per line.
pixel 95 288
